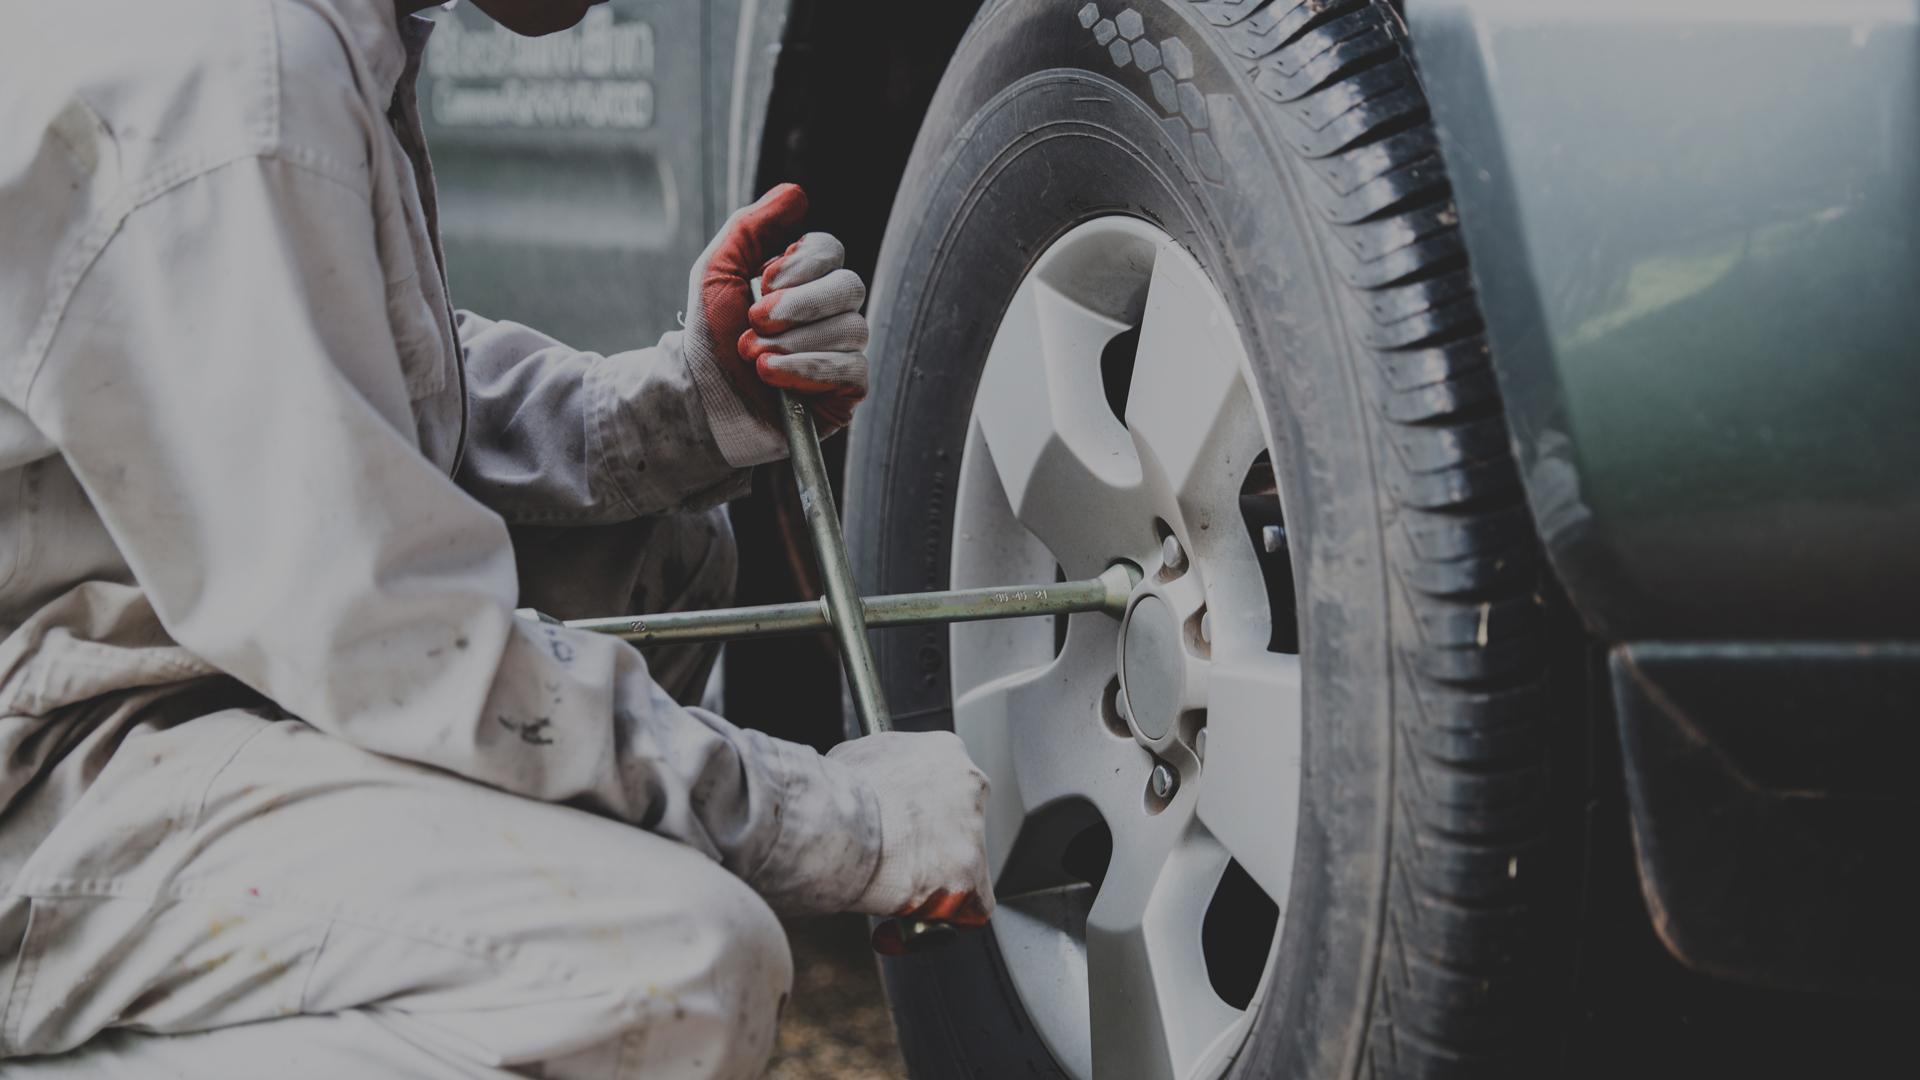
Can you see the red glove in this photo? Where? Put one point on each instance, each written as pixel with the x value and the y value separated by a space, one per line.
pixel 813 331
pixel 717 308
pixel 964 911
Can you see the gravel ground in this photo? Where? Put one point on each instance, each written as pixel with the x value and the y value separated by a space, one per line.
pixel 836 1025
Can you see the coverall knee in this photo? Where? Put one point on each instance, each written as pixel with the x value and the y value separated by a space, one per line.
pixel 326 911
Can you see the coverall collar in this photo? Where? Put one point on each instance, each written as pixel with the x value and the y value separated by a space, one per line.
pixel 376 28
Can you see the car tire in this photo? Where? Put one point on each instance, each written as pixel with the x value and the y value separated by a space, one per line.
pixel 1286 147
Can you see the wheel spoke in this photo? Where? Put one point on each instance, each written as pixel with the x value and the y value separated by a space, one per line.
pixel 992 548
pixel 1153 1011
pixel 1129 1026
pixel 982 722
pixel 1188 408
pixel 1249 788
pixel 1067 464
pixel 1043 936
pixel 1039 737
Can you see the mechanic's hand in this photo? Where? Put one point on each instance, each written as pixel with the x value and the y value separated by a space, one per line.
pixel 807 334
pixel 804 285
pixel 933 826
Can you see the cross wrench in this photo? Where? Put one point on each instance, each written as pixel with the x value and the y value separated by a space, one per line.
pixel 844 611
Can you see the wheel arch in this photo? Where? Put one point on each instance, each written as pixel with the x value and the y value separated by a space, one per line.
pixel 843 104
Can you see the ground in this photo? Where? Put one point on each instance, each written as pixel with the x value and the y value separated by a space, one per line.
pixel 836 1025
pixel 1637 1015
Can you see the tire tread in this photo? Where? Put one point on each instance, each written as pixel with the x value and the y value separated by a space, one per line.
pixel 1470 755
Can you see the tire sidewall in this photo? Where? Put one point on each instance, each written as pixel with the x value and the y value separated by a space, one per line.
pixel 968 222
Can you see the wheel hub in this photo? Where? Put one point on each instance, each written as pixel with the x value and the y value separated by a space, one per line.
pixel 1154 666
pixel 1164 657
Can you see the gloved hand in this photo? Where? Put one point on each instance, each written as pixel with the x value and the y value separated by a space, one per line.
pixel 933 826
pixel 809 339
pixel 807 334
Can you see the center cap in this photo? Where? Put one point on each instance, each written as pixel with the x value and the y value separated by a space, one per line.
pixel 1154 667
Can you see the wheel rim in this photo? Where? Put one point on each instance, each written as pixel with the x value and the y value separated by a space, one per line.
pixel 1118 954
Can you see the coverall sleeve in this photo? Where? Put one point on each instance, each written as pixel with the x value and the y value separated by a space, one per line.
pixel 224 383
pixel 557 436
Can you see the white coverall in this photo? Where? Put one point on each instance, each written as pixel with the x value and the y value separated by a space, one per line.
pixel 244 475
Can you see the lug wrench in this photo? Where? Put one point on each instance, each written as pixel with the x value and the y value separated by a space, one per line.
pixel 846 613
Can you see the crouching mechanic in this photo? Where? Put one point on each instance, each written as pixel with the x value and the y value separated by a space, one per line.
pixel 285 788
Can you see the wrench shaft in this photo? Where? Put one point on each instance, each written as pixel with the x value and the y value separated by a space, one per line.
pixel 1106 593
pixel 842 598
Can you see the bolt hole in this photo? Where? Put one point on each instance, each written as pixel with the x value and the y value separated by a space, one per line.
pixel 1236 935
pixel 1191 724
pixel 1110 709
pixel 1260 509
pixel 1197 640
pixel 1088 854
pixel 1116 370
pixel 1059 621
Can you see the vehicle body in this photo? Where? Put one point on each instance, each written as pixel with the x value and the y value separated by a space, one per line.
pixel 1693 225
pixel 1692 229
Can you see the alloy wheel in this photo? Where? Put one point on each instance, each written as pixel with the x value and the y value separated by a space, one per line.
pixel 1146 772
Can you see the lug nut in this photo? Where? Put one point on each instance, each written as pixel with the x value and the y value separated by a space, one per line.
pixel 1171 554
pixel 1164 781
pixel 1200 744
pixel 1206 627
pixel 1273 538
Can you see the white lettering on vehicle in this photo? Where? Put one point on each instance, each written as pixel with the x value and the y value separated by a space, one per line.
pixel 594 75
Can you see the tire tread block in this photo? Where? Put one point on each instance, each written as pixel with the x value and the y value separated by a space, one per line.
pixel 1322 54
pixel 1398 265
pixel 1485 873
pixel 1427 327
pixel 1476 574
pixel 1475 729
pixel 1415 368
pixel 1452 800
pixel 1400 101
pixel 1346 173
pixel 1437 400
pixel 1438 535
pixel 1281 22
pixel 1416 181
pixel 1371 241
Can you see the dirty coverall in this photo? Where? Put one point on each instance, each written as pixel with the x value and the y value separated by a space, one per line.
pixel 245 476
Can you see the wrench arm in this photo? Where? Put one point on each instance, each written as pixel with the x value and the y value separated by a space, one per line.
pixel 842 599
pixel 1106 593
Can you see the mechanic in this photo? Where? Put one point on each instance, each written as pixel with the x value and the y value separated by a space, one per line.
pixel 286 789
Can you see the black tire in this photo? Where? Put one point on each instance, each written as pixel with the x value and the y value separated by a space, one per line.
pixel 1316 198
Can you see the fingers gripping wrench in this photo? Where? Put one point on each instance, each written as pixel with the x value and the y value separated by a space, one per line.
pixel 849 620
